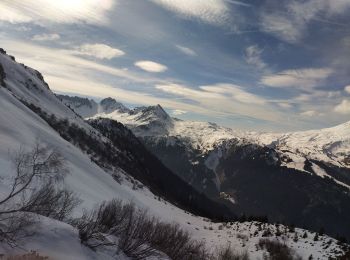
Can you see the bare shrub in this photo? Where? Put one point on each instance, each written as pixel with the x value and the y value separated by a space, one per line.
pixel 277 250
pixel 32 189
pixel 33 255
pixel 177 243
pixel 52 202
pixel 139 235
pixel 228 253
pixel 136 235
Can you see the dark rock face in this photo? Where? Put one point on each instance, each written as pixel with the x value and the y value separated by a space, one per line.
pixel 148 169
pixel 109 105
pixel 283 194
pixel 187 164
pixel 254 176
pixel 2 76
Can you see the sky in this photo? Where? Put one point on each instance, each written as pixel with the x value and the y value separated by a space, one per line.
pixel 261 65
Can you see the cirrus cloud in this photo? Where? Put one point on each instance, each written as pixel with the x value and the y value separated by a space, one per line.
pixel 309 113
pixel 209 11
pixel 186 50
pixel 347 89
pixel 100 51
pixel 343 107
pixel 178 112
pixel 300 78
pixel 63 11
pixel 150 66
pixel 253 56
pixel 46 37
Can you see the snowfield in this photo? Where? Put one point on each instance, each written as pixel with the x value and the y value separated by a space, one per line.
pixel 20 127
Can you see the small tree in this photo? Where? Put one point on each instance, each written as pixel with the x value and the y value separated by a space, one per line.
pixel 295 239
pixel 32 189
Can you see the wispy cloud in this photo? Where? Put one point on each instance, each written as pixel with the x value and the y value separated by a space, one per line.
pixel 46 37
pixel 63 11
pixel 236 92
pixel 290 22
pixel 253 56
pixel 151 66
pixel 282 27
pixel 285 105
pixel 228 99
pixel 300 79
pixel 238 3
pixel 100 51
pixel 209 11
pixel 178 112
pixel 309 113
pixel 343 107
pixel 186 50
pixel 347 89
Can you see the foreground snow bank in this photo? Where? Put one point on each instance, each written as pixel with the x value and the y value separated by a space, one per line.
pixel 56 240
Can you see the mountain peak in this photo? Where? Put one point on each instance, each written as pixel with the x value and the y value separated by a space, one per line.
pixel 153 112
pixel 109 105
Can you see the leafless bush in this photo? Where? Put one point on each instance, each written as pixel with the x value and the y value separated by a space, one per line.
pixel 277 250
pixel 139 236
pixel 107 218
pixel 177 243
pixel 136 235
pixel 52 202
pixel 29 256
pixel 228 253
pixel 32 189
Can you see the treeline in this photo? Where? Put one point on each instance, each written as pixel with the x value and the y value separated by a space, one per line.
pixel 113 145
pixel 121 226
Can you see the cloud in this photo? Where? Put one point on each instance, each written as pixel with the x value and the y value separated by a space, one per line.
pixel 46 37
pixel 347 89
pixel 186 50
pixel 300 78
pixel 185 91
pixel 343 107
pixel 253 56
pixel 11 15
pixel 284 105
pixel 228 98
pixel 151 66
pixel 209 11
pixel 236 92
pixel 63 11
pixel 309 113
pixel 290 22
pixel 65 64
pixel 281 27
pixel 178 112
pixel 100 51
pixel 238 3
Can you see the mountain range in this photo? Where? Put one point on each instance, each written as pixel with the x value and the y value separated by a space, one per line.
pixel 199 175
pixel 300 178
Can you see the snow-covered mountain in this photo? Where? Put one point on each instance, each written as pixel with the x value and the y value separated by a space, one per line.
pixel 106 161
pixel 331 145
pixel 254 172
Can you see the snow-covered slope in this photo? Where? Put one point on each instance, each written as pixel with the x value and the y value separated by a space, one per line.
pixel 330 144
pixel 20 126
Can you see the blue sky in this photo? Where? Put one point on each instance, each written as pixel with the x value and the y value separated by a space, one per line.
pixel 265 65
